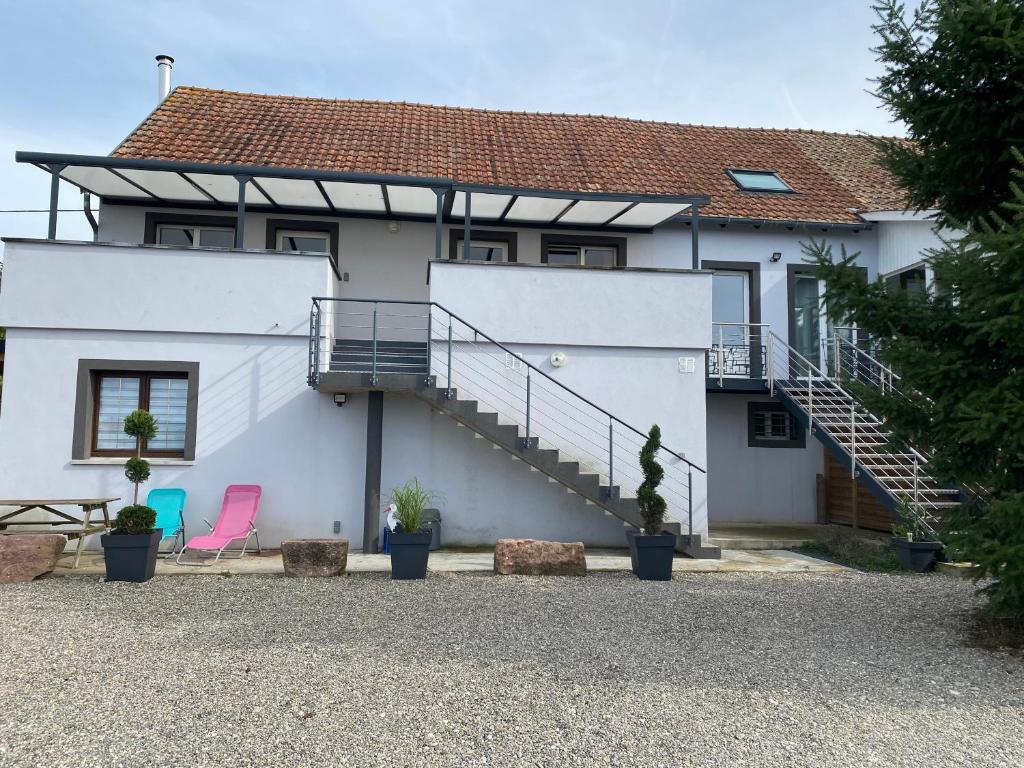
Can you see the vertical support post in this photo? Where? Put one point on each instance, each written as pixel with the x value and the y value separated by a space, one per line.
pixel 771 364
pixel 721 357
pixel 689 502
pixel 810 402
pixel 467 227
pixel 526 441
pixel 695 234
pixel 917 497
pixel 837 367
pixel 373 362
pixel 611 455
pixel 51 230
pixel 240 211
pixel 430 343
pixel 853 464
pixel 438 229
pixel 448 394
pixel 374 451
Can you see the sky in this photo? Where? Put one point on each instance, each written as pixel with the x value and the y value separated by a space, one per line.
pixel 77 77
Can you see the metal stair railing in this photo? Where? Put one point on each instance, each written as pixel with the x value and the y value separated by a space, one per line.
pixel 829 406
pixel 548 414
pixel 738 350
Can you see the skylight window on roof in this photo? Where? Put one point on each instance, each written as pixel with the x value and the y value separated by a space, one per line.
pixel 758 181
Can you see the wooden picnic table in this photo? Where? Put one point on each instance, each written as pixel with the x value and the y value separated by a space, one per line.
pixel 85 526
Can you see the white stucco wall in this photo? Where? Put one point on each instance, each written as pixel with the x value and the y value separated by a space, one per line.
pixel 762 485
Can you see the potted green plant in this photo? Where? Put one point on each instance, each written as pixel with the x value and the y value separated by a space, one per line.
pixel 652 550
pixel 915 549
pixel 410 541
pixel 130 549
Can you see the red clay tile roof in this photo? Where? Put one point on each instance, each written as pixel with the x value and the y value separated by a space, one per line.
pixel 832 173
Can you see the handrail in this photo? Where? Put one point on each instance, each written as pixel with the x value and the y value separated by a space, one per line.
pixel 517 356
pixel 812 367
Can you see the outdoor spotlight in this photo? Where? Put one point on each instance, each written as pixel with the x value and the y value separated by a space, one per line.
pixel 340 399
pixel 393 227
pixel 776 257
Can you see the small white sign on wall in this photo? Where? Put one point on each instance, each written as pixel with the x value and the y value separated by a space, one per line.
pixel 687 365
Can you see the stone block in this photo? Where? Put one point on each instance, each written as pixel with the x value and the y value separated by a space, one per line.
pixel 314 557
pixel 528 557
pixel 27 556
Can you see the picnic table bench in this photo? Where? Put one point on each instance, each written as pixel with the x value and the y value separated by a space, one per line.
pixel 83 525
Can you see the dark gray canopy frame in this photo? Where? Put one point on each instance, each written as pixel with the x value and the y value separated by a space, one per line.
pixel 242 187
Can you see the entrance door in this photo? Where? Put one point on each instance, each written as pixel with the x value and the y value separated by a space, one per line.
pixel 806 318
pixel 730 308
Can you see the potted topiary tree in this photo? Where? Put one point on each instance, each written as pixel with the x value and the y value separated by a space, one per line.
pixel 654 548
pixel 410 541
pixel 129 550
pixel 914 548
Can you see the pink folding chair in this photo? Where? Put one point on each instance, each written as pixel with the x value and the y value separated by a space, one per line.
pixel 236 521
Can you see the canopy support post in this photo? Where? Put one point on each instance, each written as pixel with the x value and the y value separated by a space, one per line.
pixel 438 216
pixel 695 234
pixel 467 226
pixel 240 212
pixel 51 232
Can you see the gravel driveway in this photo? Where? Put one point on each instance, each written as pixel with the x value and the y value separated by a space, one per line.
pixel 731 669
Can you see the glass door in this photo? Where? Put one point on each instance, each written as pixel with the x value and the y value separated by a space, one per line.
pixel 730 307
pixel 807 319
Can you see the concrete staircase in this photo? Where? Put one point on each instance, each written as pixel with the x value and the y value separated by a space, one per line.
pixel 550 462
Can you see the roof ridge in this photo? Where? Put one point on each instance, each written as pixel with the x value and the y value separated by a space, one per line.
pixel 492 111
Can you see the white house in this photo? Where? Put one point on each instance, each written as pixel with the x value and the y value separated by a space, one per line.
pixel 286 284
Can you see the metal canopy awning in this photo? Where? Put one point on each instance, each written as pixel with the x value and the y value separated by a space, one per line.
pixel 246 187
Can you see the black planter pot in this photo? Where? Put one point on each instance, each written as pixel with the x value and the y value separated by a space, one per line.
pixel 631 535
pixel 919 556
pixel 409 553
pixel 654 556
pixel 130 557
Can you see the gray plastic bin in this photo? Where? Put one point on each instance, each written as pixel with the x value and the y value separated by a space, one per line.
pixel 432 520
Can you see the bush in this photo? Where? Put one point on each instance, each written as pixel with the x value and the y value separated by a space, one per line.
pixel 652 505
pixel 411 499
pixel 136 470
pixel 135 519
pixel 140 425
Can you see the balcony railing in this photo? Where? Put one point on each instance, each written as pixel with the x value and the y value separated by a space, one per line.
pixel 738 351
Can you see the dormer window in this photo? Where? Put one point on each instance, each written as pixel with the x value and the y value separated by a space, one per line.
pixel 758 181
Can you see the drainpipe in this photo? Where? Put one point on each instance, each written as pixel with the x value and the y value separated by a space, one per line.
pixel 87 207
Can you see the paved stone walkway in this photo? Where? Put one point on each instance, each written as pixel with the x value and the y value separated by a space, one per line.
pixel 447 561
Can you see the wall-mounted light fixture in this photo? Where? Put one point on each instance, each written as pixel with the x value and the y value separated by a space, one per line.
pixel 394 227
pixel 340 399
pixel 776 257
pixel 558 359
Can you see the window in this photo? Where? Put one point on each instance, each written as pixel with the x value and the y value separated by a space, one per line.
pixel 586 251
pixel 313 242
pixel 481 251
pixel 304 236
pixel 913 280
pixel 190 231
pixel 758 181
pixel 770 425
pixel 109 390
pixel 487 246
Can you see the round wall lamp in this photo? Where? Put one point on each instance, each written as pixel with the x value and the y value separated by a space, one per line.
pixel 558 359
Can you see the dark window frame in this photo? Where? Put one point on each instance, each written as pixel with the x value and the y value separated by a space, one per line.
pixel 83 441
pixel 330 228
pixel 548 239
pixel 509 237
pixel 731 173
pixel 753 270
pixel 156 219
pixel 798 435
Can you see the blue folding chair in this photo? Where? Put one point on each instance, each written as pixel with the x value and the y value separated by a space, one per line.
pixel 169 504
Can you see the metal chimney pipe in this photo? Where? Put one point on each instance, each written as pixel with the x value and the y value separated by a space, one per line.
pixel 163 68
